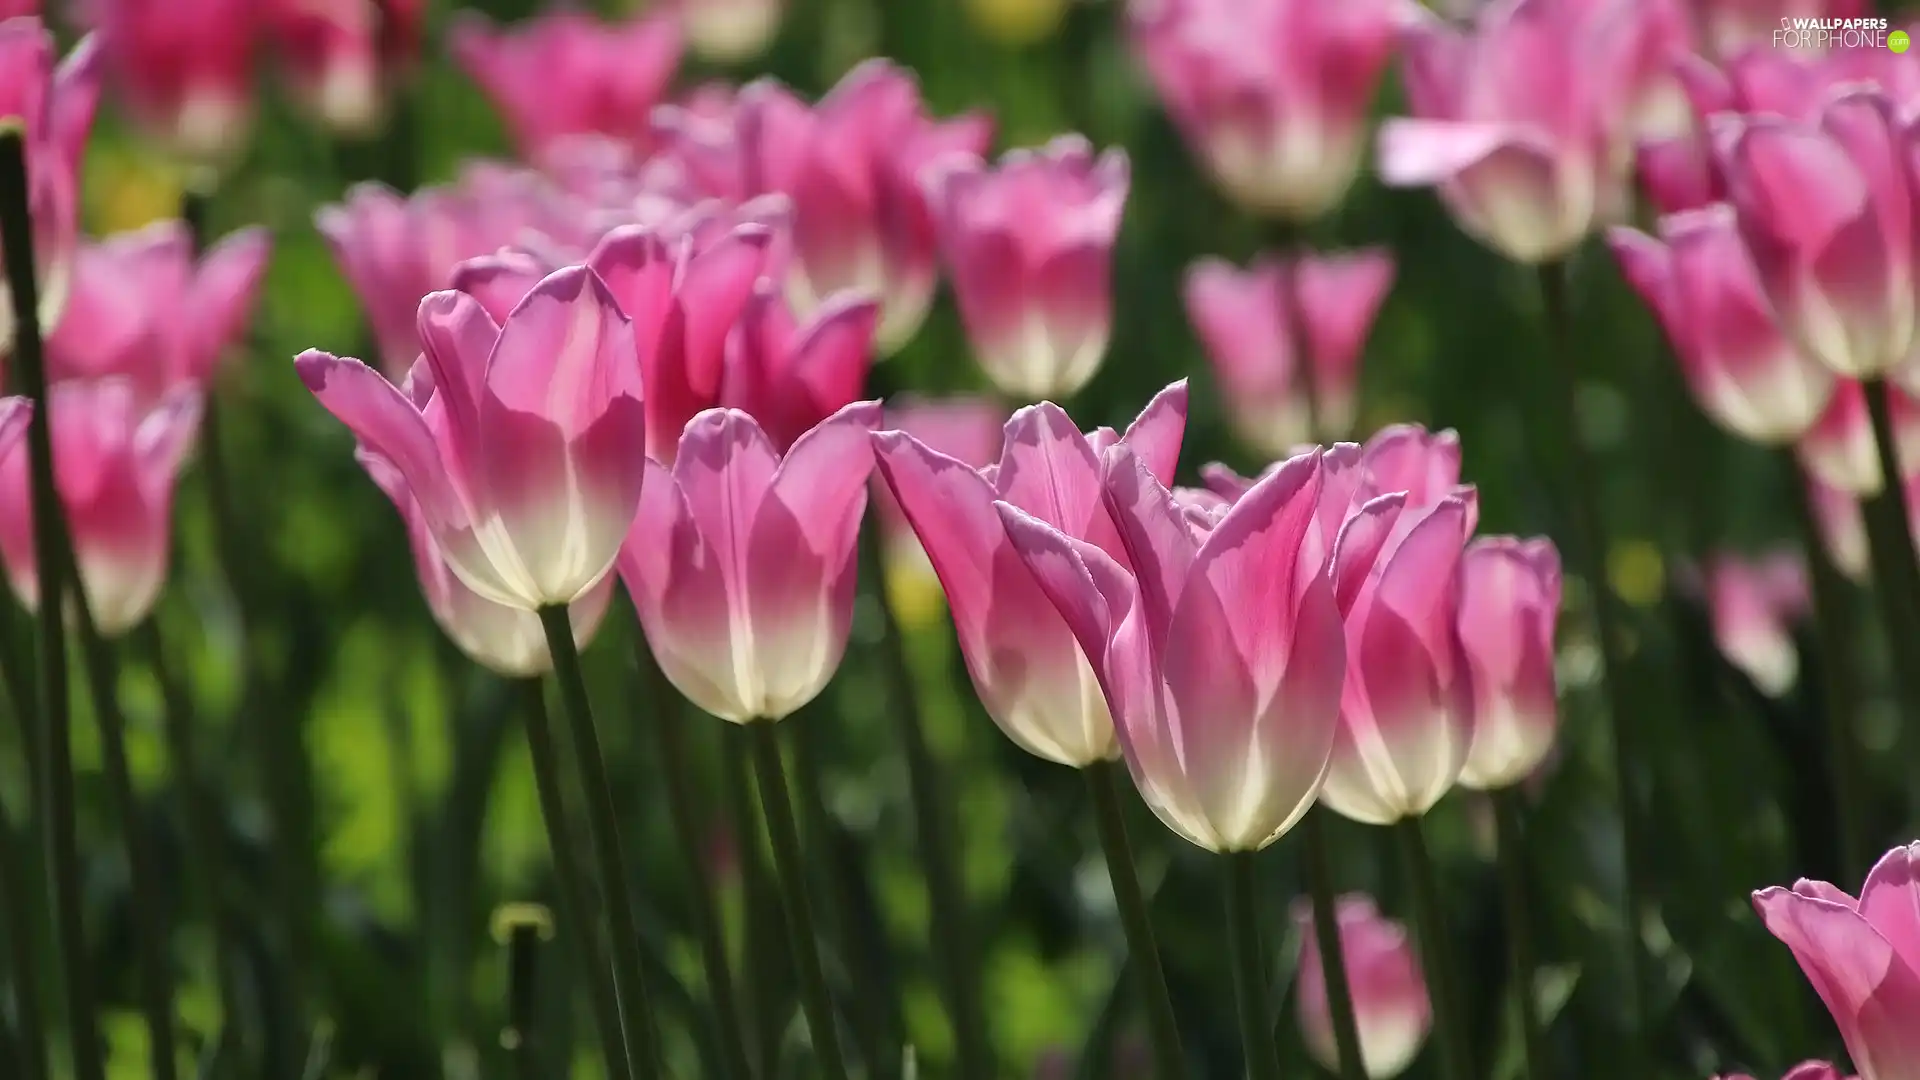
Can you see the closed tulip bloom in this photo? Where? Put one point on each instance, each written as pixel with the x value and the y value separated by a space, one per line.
pixel 1839 447
pixel 1030 247
pixel 1219 651
pixel 1753 605
pixel 966 429
pixel 791 376
pixel 1509 605
pixel 1743 369
pixel 1517 121
pixel 145 308
pixel 184 71
pixel 56 105
pixel 567 73
pixel 1826 209
pixel 116 459
pixel 1260 326
pixel 1862 957
pixel 852 165
pixel 1390 1003
pixel 524 442
pixel 1027 666
pixel 330 56
pixel 1843 529
pixel 741 561
pixel 505 639
pixel 1273 95
pixel 730 31
pixel 1424 464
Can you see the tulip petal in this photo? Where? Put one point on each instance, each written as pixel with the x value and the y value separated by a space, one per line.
pixel 386 422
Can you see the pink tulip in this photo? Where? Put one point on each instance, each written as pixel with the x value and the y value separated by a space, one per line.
pixel 1390 1003
pixel 524 442
pixel 1027 667
pixel 184 71
pixel 1509 604
pixel 966 429
pixel 1701 285
pixel 1753 605
pixel 145 308
pixel 1256 324
pixel 1219 652
pixel 1839 447
pixel 1826 211
pixel 730 31
pixel 16 9
pixel 1424 464
pixel 330 54
pixel 567 73
pixel 789 376
pixel 1274 95
pixel 115 463
pixel 684 303
pixel 1862 956
pixel 505 639
pixel 1806 1070
pixel 1030 247
pixel 852 165
pixel 56 105
pixel 741 561
pixel 15 412
pixel 1843 530
pixel 1520 121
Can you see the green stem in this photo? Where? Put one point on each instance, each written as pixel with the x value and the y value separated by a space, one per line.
pixel 1890 541
pixel 1511 840
pixel 953 940
pixel 1326 934
pixel 204 844
pixel 1450 1032
pixel 570 878
pixel 776 806
pixel 1249 969
pixel 675 765
pixel 1834 630
pixel 22 963
pixel 147 900
pixel 523 996
pixel 1103 783
pixel 53 550
pixel 757 895
pixel 1591 546
pixel 643 1038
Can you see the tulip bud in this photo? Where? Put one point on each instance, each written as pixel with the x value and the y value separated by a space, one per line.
pixel 1753 605
pixel 55 107
pixel 1390 1004
pixel 1509 603
pixel 790 376
pixel 185 71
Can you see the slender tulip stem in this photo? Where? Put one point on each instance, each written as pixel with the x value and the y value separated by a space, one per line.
pixel 147 902
pixel 23 963
pixel 518 1038
pixel 757 895
pixel 1521 959
pixel 1103 782
pixel 1249 968
pixel 1896 570
pixel 776 805
pixel 939 853
pixel 1326 934
pixel 1834 630
pixel 571 886
pixel 675 764
pixel 643 1038
pixel 53 549
pixel 1450 1031
pixel 1591 546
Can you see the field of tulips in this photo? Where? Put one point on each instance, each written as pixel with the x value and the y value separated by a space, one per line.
pixel 976 539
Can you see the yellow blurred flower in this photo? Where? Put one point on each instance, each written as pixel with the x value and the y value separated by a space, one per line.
pixel 127 189
pixel 1017 23
pixel 1637 571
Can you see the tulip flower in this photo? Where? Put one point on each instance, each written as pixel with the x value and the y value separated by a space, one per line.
pixel 1843 531
pixel 184 71
pixel 1862 956
pixel 142 307
pixel 1390 1003
pixel 500 638
pixel 331 55
pixel 1424 464
pixel 852 165
pixel 16 9
pixel 730 31
pixel 116 459
pixel 1825 208
pixel 15 412
pixel 1744 371
pixel 1219 649
pixel 1261 326
pixel 1027 667
pixel 741 561
pixel 789 377
pixel 1518 122
pixel 523 442
pixel 966 429
pixel 1274 95
pixel 1839 447
pixel 1509 604
pixel 1806 1070
pixel 567 73
pixel 1753 604
pixel 1030 247
pixel 56 105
